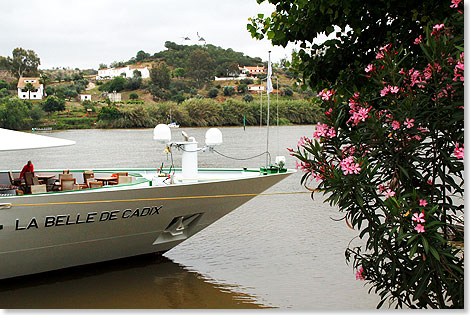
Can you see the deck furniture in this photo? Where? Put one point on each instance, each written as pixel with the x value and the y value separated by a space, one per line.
pixel 124 179
pixel 67 184
pixel 38 189
pixel 14 181
pixel 87 177
pixel 105 179
pixel 92 184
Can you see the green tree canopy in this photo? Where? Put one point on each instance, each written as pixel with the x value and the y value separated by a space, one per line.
pixel 160 75
pixel 359 26
pixel 201 66
pixel 23 62
pixel 53 104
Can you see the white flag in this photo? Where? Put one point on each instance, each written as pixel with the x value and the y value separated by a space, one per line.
pixel 269 87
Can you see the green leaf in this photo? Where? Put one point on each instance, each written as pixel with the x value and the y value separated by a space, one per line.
pixel 425 244
pixel 434 253
pixel 413 250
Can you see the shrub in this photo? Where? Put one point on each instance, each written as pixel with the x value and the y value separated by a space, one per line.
pixel 109 113
pixel 213 93
pixel 248 98
pixel 53 104
pixel 229 91
pixel 133 96
pixel 391 158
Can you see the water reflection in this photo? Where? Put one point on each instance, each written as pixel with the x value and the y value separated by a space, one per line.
pixel 151 281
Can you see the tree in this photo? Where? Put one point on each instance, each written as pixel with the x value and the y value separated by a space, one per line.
pixel 200 66
pixel 160 75
pixel 390 156
pixel 179 72
pixel 53 104
pixel 359 26
pixel 23 62
pixel 213 93
pixel 141 56
pixel 13 113
pixel 136 74
pixel 133 96
pixel 229 90
pixel 248 98
pixel 242 88
pixel 102 66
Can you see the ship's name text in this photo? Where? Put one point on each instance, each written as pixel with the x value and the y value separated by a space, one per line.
pixel 90 217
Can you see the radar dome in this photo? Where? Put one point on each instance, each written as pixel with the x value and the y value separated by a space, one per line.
pixel 162 133
pixel 213 137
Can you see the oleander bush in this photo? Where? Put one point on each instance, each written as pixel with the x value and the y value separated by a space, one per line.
pixel 390 157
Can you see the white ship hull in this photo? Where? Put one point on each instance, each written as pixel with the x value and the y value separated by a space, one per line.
pixel 49 231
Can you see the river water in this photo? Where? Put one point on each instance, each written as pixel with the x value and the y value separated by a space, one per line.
pixel 275 251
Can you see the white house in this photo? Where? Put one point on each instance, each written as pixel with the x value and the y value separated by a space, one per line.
pixel 35 94
pixel 252 70
pixel 127 72
pixel 255 88
pixel 114 97
pixel 85 97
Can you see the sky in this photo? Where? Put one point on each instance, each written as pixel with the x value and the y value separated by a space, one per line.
pixel 82 34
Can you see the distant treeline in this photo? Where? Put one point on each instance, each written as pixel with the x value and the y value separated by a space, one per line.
pixel 208 112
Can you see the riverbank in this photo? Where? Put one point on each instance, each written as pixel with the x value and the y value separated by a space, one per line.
pixel 190 113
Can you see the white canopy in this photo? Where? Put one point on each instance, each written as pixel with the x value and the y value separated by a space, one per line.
pixel 15 140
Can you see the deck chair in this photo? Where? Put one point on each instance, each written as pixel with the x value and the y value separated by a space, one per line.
pixel 28 182
pixel 124 179
pixel 92 184
pixel 56 184
pixel 115 182
pixel 87 177
pixel 14 181
pixel 67 184
pixel 37 189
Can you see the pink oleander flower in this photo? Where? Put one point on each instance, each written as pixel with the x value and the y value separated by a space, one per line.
pixel 459 151
pixel 423 202
pixel 358 114
pixel 389 193
pixel 359 275
pixel 348 166
pixel 395 125
pixel 436 30
pixel 394 89
pixel 301 142
pixel 385 48
pixel 438 27
pixel 323 131
pixel 418 217
pixel 418 40
pixel 369 68
pixel 409 123
pixel 419 228
pixel 297 165
pixel 455 3
pixel 385 91
pixel 326 94
pixel 317 176
pixel 380 55
pixel 381 188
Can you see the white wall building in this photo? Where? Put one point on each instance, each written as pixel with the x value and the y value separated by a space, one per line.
pixel 35 94
pixel 85 97
pixel 255 88
pixel 114 97
pixel 127 72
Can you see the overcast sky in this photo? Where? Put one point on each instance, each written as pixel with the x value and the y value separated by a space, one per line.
pixel 86 33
